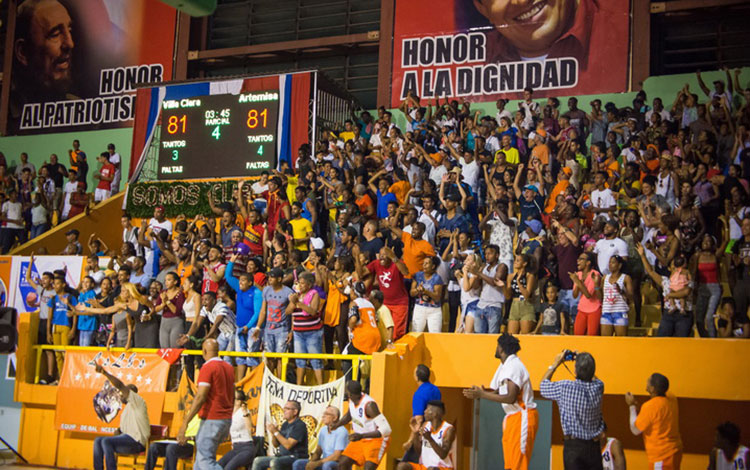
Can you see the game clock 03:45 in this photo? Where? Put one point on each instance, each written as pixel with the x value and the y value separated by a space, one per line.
pixel 218 135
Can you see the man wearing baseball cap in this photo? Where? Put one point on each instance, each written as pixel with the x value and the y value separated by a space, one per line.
pixel 273 322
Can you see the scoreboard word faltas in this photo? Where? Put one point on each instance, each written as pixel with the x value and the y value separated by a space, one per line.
pixel 218 135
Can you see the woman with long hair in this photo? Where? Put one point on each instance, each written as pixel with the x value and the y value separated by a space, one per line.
pixel 587 283
pixel 241 432
pixel 520 288
pixel 127 309
pixel 617 290
pixel 471 286
pixel 196 330
pixel 706 270
pixel 168 303
pixel 677 296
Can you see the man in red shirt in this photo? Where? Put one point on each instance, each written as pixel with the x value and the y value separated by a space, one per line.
pixel 214 405
pixel 105 176
pixel 278 207
pixel 390 273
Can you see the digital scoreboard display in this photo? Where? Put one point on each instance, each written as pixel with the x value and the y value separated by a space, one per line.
pixel 218 135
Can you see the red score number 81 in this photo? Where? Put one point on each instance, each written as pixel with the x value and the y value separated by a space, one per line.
pixel 175 124
pixel 253 118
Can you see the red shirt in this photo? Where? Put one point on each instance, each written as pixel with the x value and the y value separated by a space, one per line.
pixel 208 283
pixel 107 170
pixel 219 376
pixel 254 238
pixel 391 283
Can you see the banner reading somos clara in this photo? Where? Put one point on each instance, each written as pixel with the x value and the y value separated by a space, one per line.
pixel 87 402
pixel 485 50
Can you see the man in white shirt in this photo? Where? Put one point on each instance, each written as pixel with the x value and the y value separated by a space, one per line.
pixel 70 187
pixel 603 200
pixel 529 108
pixel 511 386
pixel 14 228
pixel 134 426
pixel 222 322
pixel 114 159
pixel 610 246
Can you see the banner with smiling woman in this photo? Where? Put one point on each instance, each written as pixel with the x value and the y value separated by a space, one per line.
pixel 480 50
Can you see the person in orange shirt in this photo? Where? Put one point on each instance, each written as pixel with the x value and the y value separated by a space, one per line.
pixel 415 248
pixel 364 202
pixel 658 421
pixel 540 149
pixel 562 184
pixel 401 187
pixel 364 327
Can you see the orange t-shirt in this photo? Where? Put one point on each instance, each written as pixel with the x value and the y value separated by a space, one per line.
pixel 184 271
pixel 561 186
pixel 659 423
pixel 366 335
pixel 415 251
pixel 541 152
pixel 400 189
pixel 363 203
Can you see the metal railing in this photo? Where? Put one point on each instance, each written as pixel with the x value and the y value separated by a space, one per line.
pixel 285 357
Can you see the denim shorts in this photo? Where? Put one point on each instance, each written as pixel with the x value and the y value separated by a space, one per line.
pixel 614 318
pixel 310 342
pixel 275 340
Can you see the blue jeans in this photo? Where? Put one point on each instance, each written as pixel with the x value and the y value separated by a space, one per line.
pixel 211 433
pixel 706 303
pixel 274 463
pixel 275 340
pixel 243 344
pixel 85 338
pixel 226 343
pixel 310 342
pixel 172 453
pixel 488 319
pixel 105 449
pixel 37 230
pixel 300 465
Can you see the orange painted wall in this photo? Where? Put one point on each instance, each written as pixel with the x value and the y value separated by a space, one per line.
pixel 709 376
pixel 104 220
pixel 706 375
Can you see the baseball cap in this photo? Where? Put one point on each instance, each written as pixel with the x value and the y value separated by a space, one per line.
pixel 456 170
pixel 534 225
pixel 317 243
pixel 73 232
pixel 531 187
pixel 275 272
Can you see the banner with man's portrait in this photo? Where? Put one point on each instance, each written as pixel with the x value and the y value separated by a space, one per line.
pixel 76 63
pixel 480 50
pixel 88 402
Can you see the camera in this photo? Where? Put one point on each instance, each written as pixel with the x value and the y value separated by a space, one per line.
pixel 569 355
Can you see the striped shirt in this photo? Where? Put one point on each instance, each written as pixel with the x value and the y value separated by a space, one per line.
pixel 303 321
pixel 614 301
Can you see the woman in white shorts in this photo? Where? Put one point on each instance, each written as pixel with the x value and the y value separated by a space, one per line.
pixel 618 291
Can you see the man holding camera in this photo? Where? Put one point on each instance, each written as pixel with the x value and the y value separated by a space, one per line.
pixel 580 404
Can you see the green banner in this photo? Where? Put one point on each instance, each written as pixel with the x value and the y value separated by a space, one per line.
pixel 189 198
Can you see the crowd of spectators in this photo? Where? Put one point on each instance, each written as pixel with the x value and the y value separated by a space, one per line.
pixel 537 219
pixel 33 200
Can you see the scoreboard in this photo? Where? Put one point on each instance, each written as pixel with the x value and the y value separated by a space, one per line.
pixel 218 135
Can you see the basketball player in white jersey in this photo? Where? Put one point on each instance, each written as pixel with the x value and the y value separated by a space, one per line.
pixel 727 453
pixel 613 458
pixel 433 442
pixel 369 441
